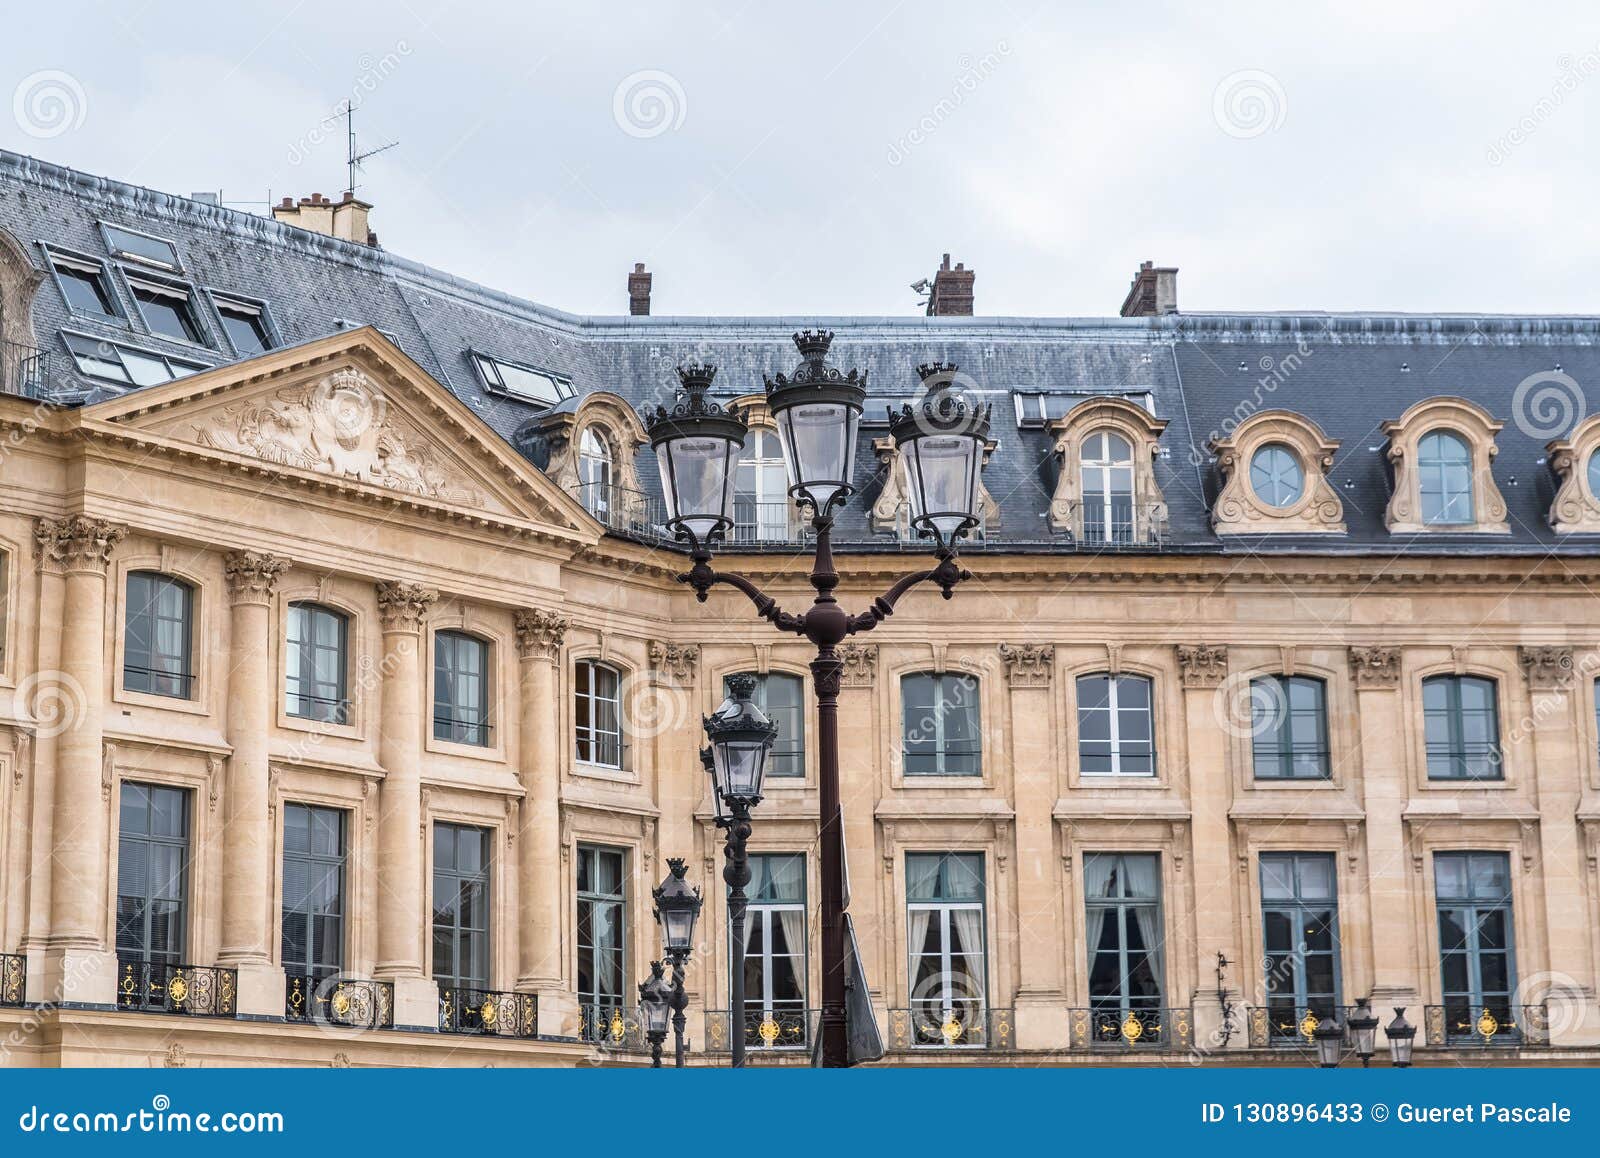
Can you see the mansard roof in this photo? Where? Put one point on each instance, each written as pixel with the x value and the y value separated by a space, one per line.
pixel 1200 373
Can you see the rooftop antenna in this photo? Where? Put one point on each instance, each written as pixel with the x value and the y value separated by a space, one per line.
pixel 353 158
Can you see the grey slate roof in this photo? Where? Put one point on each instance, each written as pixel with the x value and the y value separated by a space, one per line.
pixel 1353 371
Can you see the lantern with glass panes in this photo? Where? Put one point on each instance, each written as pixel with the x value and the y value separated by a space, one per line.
pixel 1329 1038
pixel 677 907
pixel 942 440
pixel 655 1007
pixel 1363 1026
pixel 1402 1038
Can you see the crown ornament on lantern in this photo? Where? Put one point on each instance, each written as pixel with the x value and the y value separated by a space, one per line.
pixel 814 368
pixel 692 401
pixel 944 409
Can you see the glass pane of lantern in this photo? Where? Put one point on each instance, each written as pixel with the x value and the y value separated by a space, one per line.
pixel 942 480
pixel 818 447
pixel 694 473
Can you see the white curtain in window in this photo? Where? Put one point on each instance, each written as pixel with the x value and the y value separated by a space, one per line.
pixel 794 933
pixel 966 928
pixel 917 936
pixel 1141 879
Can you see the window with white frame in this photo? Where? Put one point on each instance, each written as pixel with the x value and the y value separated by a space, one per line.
pixel 595 474
pixel 946 942
pixel 941 735
pixel 1116 734
pixel 1106 460
pixel 760 490
pixel 597 713
pixel 1123 927
pixel 525 382
pixel 775 953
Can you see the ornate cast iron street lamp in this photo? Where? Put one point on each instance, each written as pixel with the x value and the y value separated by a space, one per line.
pixel 655 1001
pixel 1402 1038
pixel 741 736
pixel 941 440
pixel 1329 1037
pixel 1364 1031
pixel 677 909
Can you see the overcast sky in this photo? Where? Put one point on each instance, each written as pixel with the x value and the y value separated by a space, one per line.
pixel 818 157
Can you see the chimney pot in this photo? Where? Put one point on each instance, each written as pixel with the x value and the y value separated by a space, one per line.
pixel 639 291
pixel 952 291
pixel 1154 292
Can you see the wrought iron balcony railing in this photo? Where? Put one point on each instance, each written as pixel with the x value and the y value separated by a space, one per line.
pixel 1112 1027
pixel 957 1025
pixel 611 1026
pixel 487 1012
pixel 24 370
pixel 193 990
pixel 777 1031
pixel 1491 1026
pixel 1275 1026
pixel 13 979
pixel 1097 524
pixel 348 1002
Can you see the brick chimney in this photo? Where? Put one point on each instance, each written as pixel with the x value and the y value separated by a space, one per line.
pixel 952 291
pixel 1153 292
pixel 639 291
pixel 347 219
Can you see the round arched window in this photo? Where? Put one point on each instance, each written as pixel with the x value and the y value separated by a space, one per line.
pixel 1277 476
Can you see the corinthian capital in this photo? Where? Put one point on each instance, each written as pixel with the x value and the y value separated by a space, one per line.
pixel 77 542
pixel 403 606
pixel 540 633
pixel 252 576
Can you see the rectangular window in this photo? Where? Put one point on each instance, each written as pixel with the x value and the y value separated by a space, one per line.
pixel 313 893
pixel 1289 728
pixel 782 698
pixel 523 382
pixel 1472 892
pixel 125 365
pixel 602 936
pixel 156 648
pixel 775 952
pixel 1125 937
pixel 946 941
pixel 245 324
pixel 460 906
pixel 1300 943
pixel 597 712
pixel 460 688
pixel 167 310
pixel 315 664
pixel 84 285
pixel 939 717
pixel 1115 726
pixel 141 247
pixel 152 876
pixel 1461 727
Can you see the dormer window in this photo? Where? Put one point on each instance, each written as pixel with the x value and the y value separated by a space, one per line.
pixel 132 245
pixel 127 365
pixel 245 323
pixel 1107 493
pixel 1274 468
pixel 524 382
pixel 1276 475
pixel 167 309
pixel 1442 452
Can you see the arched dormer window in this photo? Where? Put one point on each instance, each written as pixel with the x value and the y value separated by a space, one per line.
pixel 1575 460
pixel 1274 467
pixel 1442 451
pixel 761 507
pixel 596 472
pixel 1107 492
pixel 591 444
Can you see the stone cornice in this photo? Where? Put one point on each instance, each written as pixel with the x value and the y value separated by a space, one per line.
pixel 76 542
pixel 252 576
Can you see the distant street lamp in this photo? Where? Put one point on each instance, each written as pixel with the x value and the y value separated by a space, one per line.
pixel 1364 1031
pixel 1402 1037
pixel 677 908
pixel 1330 1043
pixel 655 1003
pixel 741 736
pixel 941 441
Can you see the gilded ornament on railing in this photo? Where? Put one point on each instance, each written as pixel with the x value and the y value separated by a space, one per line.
pixel 618 1028
pixel 488 1013
pixel 1487 1026
pixel 178 989
pixel 717 1031
pixel 1308 1026
pixel 1002 1030
pixel 768 1031
pixel 950 1030
pixel 13 978
pixel 1132 1028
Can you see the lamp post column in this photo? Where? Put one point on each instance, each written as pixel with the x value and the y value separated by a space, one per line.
pixel 826 672
pixel 736 873
pixel 680 1006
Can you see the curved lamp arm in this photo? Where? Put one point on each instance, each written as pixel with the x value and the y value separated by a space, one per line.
pixel 702 577
pixel 946 574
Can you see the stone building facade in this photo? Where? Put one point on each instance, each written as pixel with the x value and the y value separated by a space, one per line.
pixel 350 709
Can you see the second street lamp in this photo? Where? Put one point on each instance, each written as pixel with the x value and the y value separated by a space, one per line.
pixel 1402 1038
pixel 1363 1031
pixel 941 441
pixel 677 909
pixel 655 1002
pixel 1329 1038
pixel 741 736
